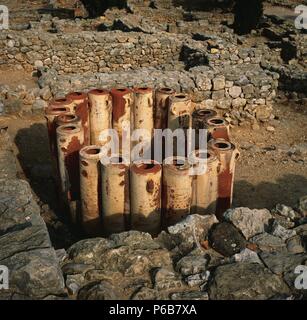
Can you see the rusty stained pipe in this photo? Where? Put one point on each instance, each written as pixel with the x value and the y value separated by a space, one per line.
pixel 63 102
pixel 123 99
pixel 143 113
pixel 51 113
pixel 205 182
pixel 70 139
pixel 179 113
pixel 199 121
pixel 218 128
pixel 179 117
pixel 90 187
pixel 80 100
pixel 145 197
pixel 115 195
pixel 177 190
pixel 227 154
pixel 161 107
pixel 100 106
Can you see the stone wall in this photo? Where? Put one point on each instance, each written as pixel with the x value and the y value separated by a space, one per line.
pixel 88 51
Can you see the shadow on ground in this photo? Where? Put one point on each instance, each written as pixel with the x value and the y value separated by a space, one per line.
pixel 287 190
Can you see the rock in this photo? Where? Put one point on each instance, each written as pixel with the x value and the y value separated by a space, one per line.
pixel 102 290
pixel 245 281
pixel 238 103
pixel 268 243
pixel 247 255
pixel 226 239
pixel 166 280
pixel 73 283
pixel 45 93
pixel 281 232
pixel 183 237
pixel 235 92
pixel 192 264
pixel 38 64
pixel 249 222
pixel 294 245
pixel 219 83
pixel 282 262
pixel 302 206
pixel 35 273
pixel 85 251
pixel 270 129
pixel 197 279
pixel 39 106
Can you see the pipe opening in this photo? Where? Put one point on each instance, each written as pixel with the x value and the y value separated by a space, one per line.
pixel 221 145
pixel 143 88
pixel 204 112
pixel 166 90
pixel 148 166
pixel 67 117
pixel 58 109
pixel 61 100
pixel 180 96
pixel 216 121
pixel 93 151
pixel 178 163
pixel 70 128
pixel 121 89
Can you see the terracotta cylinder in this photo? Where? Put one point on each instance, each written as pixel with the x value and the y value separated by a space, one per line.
pixel 227 154
pixel 115 195
pixel 63 102
pixel 177 190
pixel 179 117
pixel 200 116
pixel 90 187
pixel 51 113
pixel 205 181
pixel 70 140
pixel 145 197
pixel 122 109
pixel 218 128
pixel 143 113
pixel 82 111
pixel 100 102
pixel 179 113
pixel 161 106
pixel 67 119
pixel 199 121
pixel 77 97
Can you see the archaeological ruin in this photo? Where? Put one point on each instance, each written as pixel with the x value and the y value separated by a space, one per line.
pixel 153 150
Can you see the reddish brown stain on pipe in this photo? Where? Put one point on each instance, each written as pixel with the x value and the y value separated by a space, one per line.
pixel 224 192
pixel 220 133
pixel 84 173
pixel 119 102
pixel 150 186
pixel 146 168
pixel 82 111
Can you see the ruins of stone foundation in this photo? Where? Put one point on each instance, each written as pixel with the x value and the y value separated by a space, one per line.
pixel 70 232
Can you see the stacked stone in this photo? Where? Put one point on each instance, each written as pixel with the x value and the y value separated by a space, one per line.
pixel 88 51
